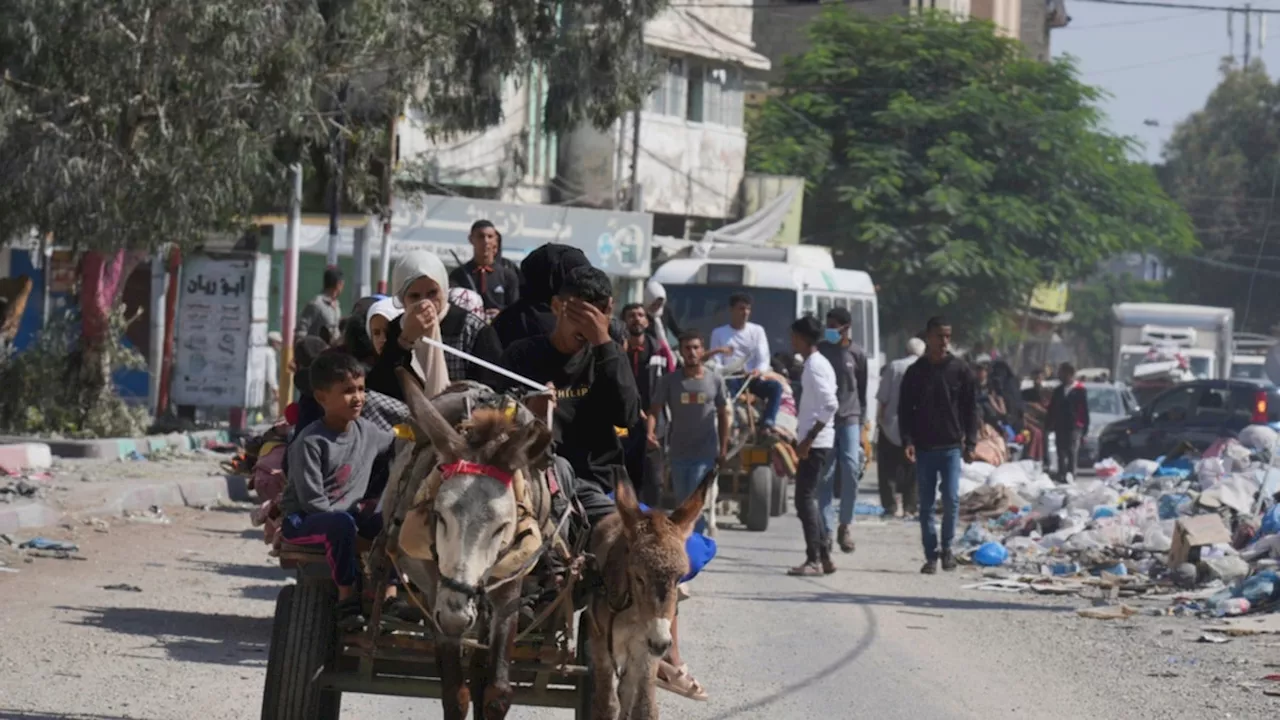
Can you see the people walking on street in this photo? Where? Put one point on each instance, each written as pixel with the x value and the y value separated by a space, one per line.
pixel 938 420
pixel 698 433
pixel 1068 420
pixel 818 405
pixel 897 475
pixel 497 283
pixel 648 365
pixel 742 341
pixel 845 464
pixel 322 316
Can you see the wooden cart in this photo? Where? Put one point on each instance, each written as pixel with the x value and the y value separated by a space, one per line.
pixel 310 665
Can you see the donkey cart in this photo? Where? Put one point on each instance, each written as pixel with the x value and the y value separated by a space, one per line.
pixel 311 664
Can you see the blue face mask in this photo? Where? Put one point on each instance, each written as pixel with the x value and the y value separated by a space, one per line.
pixel 832 335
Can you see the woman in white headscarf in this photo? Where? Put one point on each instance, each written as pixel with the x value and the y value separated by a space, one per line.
pixel 655 304
pixel 380 316
pixel 421 286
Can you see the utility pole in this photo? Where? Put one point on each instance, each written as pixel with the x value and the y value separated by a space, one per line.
pixel 1247 40
pixel 289 303
pixel 634 201
pixel 388 178
pixel 338 145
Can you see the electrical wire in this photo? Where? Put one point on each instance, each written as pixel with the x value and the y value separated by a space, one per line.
pixel 1266 230
pixel 1150 63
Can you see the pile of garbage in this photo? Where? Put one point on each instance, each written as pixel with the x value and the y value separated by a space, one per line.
pixel 1200 529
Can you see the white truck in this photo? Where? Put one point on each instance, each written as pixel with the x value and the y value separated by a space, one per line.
pixel 1249 355
pixel 1195 338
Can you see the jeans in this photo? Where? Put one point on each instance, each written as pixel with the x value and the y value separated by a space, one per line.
pixel 1068 453
pixel 685 476
pixel 337 531
pixel 770 390
pixel 845 463
pixel 817 541
pixel 934 469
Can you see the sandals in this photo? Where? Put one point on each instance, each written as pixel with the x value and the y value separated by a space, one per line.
pixel 678 680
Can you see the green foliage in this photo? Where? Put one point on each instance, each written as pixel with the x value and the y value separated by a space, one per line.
pixel 49 393
pixel 955 170
pixel 132 123
pixel 1222 165
pixel 1090 305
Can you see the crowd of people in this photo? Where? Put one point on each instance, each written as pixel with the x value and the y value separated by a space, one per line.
pixel 627 406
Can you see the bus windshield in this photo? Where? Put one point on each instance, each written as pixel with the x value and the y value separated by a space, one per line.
pixel 706 307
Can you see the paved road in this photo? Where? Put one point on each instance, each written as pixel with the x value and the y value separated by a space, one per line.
pixel 876 640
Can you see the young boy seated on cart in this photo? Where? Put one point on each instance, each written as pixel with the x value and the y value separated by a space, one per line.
pixel 330 463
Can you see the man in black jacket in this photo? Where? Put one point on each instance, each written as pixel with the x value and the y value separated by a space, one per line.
pixel 497 283
pixel 595 392
pixel 644 463
pixel 938 420
pixel 1068 419
pixel 844 466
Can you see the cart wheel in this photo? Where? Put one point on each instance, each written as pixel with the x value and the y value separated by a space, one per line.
pixel 759 499
pixel 778 507
pixel 302 642
pixel 586 683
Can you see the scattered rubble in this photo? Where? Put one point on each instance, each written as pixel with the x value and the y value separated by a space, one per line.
pixel 1195 536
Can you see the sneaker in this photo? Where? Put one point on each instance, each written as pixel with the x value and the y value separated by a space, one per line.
pixel 401 609
pixel 844 540
pixel 930 567
pixel 948 561
pixel 349 614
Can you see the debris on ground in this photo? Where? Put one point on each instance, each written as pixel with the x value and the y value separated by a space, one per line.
pixel 153 515
pixel 1193 535
pixel 123 587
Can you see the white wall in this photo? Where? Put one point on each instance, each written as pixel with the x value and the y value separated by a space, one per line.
pixel 688 168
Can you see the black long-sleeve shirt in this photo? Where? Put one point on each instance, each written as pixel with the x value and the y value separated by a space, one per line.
pixel 937 407
pixel 498 284
pixel 1068 411
pixel 595 393
pixel 458 329
pixel 850 364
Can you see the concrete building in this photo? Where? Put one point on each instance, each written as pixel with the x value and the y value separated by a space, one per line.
pixel 686 148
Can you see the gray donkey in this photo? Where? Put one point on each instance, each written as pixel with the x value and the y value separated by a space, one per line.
pixel 474 519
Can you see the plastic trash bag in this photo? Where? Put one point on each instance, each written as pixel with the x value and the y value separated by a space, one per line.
pixel 1140 469
pixel 991 554
pixel 978 471
pixel 1261 588
pixel 1258 437
pixel 1173 504
pixel 1209 472
pixel 1107 469
pixel 1013 475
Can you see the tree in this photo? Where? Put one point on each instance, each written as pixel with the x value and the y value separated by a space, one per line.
pixel 955 170
pixel 128 124
pixel 1222 164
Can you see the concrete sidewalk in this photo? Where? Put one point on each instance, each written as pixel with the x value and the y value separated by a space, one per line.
pixel 77 489
pixel 123 448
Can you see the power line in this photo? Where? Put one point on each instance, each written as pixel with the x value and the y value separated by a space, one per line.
pixel 1149 63
pixel 1144 21
pixel 1177 6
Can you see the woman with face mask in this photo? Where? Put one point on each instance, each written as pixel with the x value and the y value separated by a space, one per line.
pixel 421 287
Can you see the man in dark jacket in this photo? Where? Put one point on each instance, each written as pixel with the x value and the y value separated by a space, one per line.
pixel 1068 419
pixel 844 466
pixel 644 357
pixel 497 283
pixel 938 421
pixel 595 392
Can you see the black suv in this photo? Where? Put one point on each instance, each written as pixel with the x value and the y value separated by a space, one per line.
pixel 1197 412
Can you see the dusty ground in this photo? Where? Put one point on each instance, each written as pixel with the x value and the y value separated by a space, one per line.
pixel 875 640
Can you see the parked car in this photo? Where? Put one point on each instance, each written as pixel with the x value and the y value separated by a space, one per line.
pixel 1197 412
pixel 1108 403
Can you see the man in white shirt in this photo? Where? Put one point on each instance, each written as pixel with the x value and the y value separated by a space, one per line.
pixel 818 404
pixel 746 342
pixel 896 473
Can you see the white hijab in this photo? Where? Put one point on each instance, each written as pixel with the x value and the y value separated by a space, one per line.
pixel 387 308
pixel 428 360
pixel 653 290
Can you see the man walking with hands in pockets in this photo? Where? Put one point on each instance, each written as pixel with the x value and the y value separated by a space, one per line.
pixel 818 405
pixel 938 421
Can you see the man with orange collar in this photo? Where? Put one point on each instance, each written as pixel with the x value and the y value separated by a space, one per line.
pixel 1068 419
pixel 497 283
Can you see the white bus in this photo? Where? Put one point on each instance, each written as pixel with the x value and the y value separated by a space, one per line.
pixel 784 283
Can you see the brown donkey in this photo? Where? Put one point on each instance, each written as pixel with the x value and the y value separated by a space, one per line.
pixel 641 558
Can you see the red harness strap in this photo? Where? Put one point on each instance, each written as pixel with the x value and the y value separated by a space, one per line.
pixel 466 467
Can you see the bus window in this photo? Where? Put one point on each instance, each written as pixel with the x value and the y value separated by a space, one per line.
pixel 841 301
pixel 857 330
pixel 824 306
pixel 808 304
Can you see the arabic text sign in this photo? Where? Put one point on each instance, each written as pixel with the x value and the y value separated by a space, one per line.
pixel 615 241
pixel 221 314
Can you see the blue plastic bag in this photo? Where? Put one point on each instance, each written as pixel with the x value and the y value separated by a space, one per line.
pixel 1169 504
pixel 1103 511
pixel 990 554
pixel 1270 523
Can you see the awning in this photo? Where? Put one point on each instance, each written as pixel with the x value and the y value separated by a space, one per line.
pixel 681 31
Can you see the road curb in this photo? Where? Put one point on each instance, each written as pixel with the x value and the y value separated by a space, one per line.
pixel 191 492
pixel 122 448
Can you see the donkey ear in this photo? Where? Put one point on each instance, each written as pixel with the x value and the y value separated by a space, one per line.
pixel 686 516
pixel 447 442
pixel 628 505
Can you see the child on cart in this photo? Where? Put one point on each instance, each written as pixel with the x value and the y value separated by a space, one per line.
pixel 330 463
